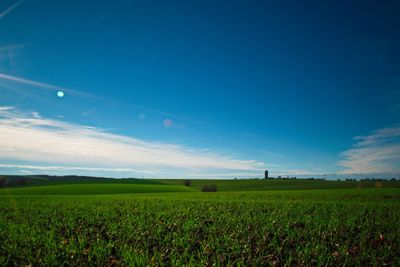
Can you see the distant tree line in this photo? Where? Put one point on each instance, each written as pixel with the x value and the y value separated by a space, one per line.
pixel 372 180
pixel 320 179
pixel 281 178
pixel 4 182
pixel 20 180
pixel 209 188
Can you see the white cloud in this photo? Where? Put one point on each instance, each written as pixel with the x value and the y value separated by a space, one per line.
pixel 375 153
pixel 28 137
pixel 26 172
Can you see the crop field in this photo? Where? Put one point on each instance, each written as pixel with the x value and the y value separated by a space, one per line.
pixel 91 224
pixel 95 189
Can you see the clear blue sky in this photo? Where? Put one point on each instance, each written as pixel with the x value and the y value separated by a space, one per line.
pixel 200 88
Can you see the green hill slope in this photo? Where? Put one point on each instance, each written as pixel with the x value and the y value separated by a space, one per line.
pixel 93 189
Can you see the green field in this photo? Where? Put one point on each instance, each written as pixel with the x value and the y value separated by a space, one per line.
pixel 245 223
pixel 282 184
pixel 95 189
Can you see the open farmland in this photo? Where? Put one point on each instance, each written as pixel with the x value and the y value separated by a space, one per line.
pixel 292 227
pixel 95 189
pixel 199 133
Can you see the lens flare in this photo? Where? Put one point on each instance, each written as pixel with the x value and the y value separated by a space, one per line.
pixel 60 94
pixel 167 123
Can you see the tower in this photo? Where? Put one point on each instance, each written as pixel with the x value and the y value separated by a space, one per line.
pixel 266 174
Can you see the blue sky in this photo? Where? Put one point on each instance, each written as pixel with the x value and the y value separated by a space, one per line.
pixel 215 89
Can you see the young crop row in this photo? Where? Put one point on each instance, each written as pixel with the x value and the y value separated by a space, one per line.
pixel 219 229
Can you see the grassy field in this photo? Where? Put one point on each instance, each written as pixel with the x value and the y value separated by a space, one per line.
pixel 124 224
pixel 282 184
pixel 94 189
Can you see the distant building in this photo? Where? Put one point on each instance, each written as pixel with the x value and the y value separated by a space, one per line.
pixel 266 174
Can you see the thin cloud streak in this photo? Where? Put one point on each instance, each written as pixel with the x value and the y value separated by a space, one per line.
pixel 71 168
pixel 47 86
pixel 32 83
pixel 28 137
pixel 11 47
pixel 8 10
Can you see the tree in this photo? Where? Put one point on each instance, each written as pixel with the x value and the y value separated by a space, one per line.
pixel 187 182
pixel 21 182
pixel 209 188
pixel 3 182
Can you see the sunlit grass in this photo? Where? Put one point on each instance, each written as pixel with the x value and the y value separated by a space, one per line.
pixel 304 227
